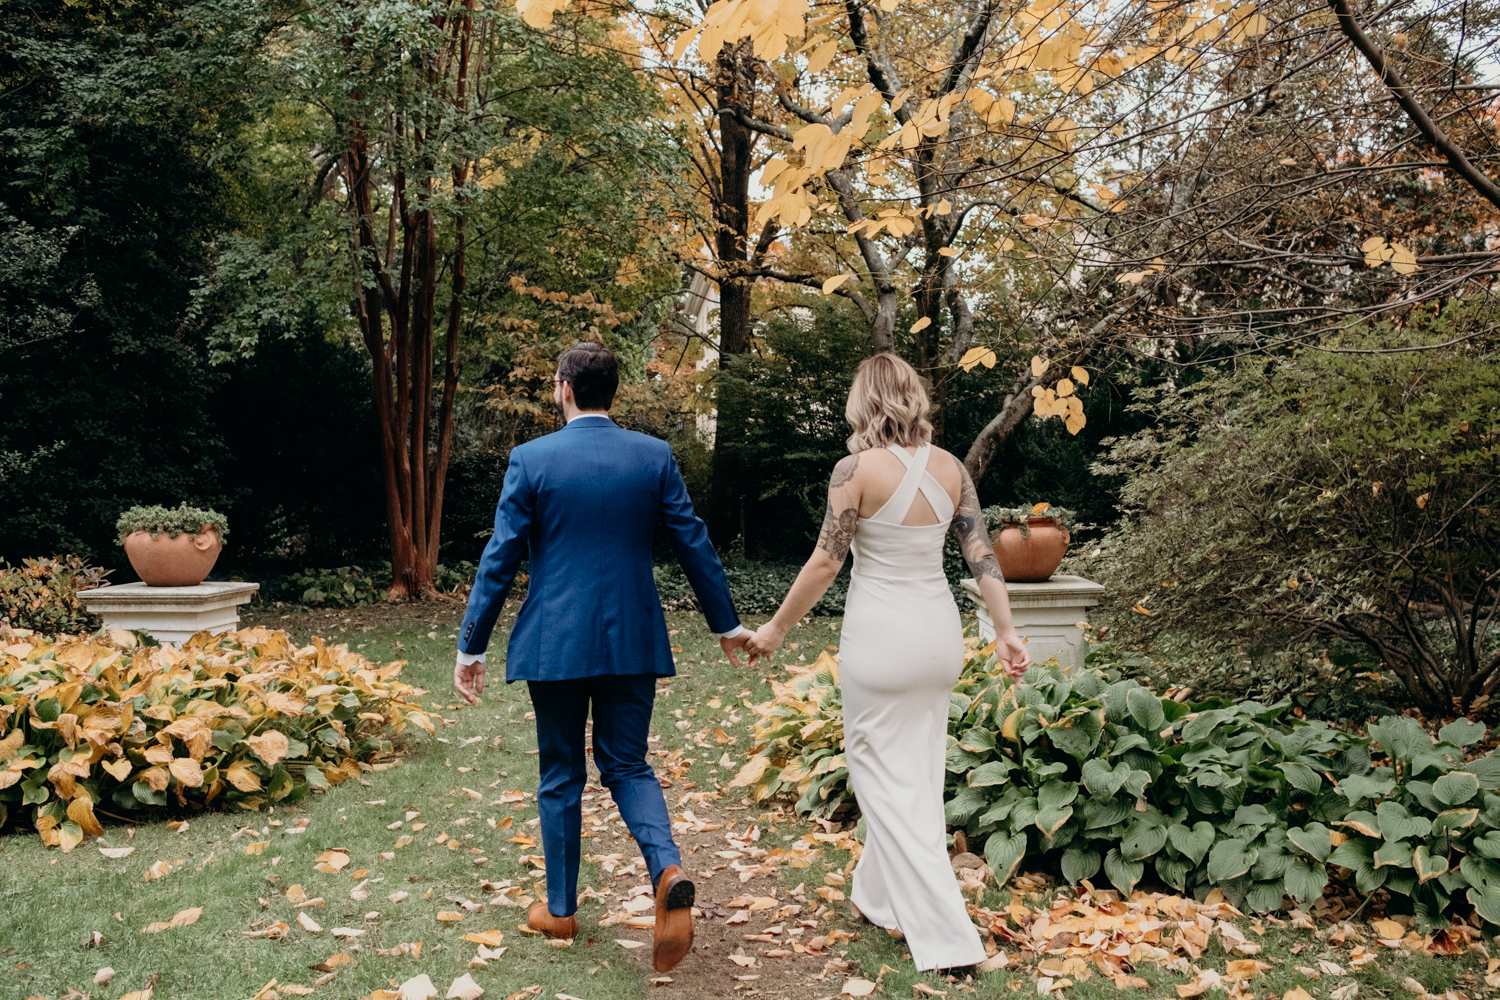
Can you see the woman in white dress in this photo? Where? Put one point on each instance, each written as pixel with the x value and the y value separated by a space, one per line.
pixel 892 502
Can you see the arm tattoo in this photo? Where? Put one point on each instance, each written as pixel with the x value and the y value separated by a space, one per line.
pixel 838 532
pixel 968 525
pixel 843 472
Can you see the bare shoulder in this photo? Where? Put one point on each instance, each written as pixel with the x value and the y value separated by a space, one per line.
pixel 947 468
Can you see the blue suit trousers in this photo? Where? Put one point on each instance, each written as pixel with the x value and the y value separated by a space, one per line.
pixel 621 706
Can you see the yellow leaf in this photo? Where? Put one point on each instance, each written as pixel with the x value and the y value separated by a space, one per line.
pixel 921 324
pixel 1037 221
pixel 1422 500
pixel 241 776
pixel 1141 609
pixel 948 252
pixel 81 811
pixel 834 282
pixel 1038 366
pixel 1064 387
pixel 1296 993
pixel 491 939
pixel 976 356
pixel 1074 423
pixel 187 771
pixel 256 847
pixel 450 916
pixel 822 56
pixel 1403 261
pixel 1372 244
pixel 1080 374
pixel 1004 243
pixel 270 747
pixel 117 769
pixel 683 41
pixel 308 923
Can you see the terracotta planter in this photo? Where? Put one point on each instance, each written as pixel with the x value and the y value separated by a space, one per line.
pixel 165 561
pixel 1033 559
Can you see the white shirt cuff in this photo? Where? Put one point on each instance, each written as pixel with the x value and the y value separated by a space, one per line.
pixel 464 659
pixel 738 630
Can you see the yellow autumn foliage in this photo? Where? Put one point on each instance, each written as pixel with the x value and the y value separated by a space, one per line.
pixel 106 723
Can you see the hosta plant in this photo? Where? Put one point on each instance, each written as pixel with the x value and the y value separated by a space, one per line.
pixel 1095 775
pixel 800 743
pixel 244 718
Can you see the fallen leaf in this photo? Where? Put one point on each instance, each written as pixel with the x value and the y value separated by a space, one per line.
pixel 857 988
pixel 115 853
pixel 464 988
pixel 627 943
pixel 450 916
pixel 103 976
pixel 309 924
pixel 492 938
pixel 1296 993
pixel 418 988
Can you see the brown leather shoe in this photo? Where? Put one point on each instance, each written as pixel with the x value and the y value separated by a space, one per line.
pixel 539 918
pixel 674 919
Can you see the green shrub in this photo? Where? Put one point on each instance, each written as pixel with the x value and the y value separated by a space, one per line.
pixel 1094 771
pixel 758 587
pixel 42 594
pixel 1351 497
pixel 172 521
pixel 342 587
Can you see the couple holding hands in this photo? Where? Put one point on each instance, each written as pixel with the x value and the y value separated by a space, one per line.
pixel 590 639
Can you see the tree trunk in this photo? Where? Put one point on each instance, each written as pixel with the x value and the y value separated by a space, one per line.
pixel 731 246
pixel 413 465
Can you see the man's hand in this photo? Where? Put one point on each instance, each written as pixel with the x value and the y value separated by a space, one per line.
pixel 469 679
pixel 730 645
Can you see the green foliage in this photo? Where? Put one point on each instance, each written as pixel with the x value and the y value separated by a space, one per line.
pixel 1338 496
pixel 799 739
pixel 114 160
pixel 758 587
pixel 172 521
pixel 781 412
pixel 42 594
pixel 1092 771
pixel 343 587
pixel 1022 516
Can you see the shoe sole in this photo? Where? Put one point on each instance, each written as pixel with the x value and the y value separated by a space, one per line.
pixel 673 937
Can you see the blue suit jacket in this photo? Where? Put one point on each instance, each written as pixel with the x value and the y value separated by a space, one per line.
pixel 584 501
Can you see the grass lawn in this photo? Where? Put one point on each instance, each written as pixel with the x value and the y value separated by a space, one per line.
pixel 52 905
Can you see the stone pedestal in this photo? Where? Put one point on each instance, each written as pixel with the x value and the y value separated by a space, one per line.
pixel 170 614
pixel 1046 616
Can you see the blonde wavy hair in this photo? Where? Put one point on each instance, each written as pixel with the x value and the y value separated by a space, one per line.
pixel 887 405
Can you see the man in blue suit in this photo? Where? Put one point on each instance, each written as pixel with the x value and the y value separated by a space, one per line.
pixel 584 503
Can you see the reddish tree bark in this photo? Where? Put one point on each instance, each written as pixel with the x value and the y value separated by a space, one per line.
pixel 398 316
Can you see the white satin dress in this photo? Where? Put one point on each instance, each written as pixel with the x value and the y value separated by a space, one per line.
pixel 900 655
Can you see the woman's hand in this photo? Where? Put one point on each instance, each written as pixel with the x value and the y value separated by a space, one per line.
pixel 765 641
pixel 1012 653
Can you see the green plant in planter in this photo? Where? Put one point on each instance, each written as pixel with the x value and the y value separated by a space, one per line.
pixel 997 517
pixel 171 521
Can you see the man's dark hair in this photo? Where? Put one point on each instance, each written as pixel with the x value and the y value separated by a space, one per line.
pixel 593 372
